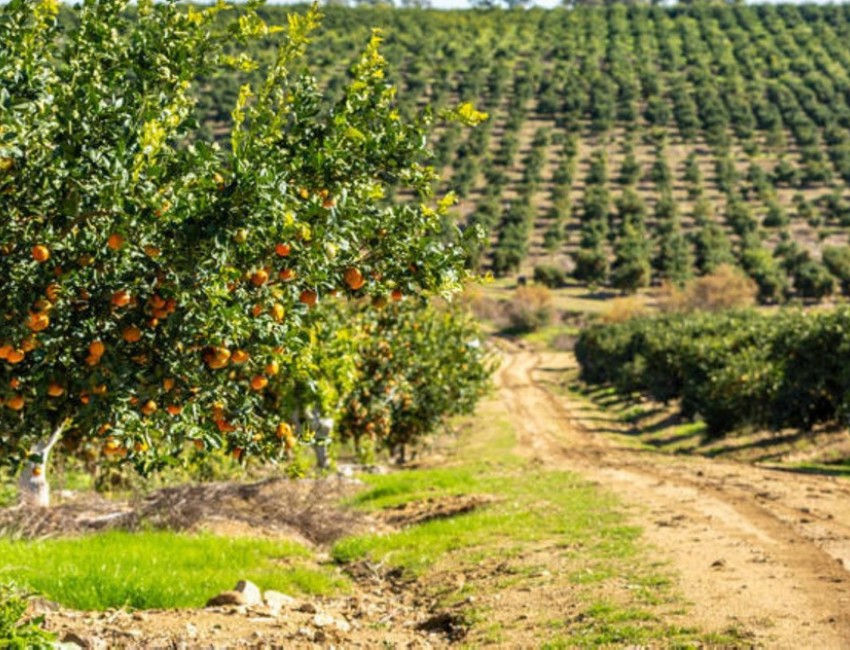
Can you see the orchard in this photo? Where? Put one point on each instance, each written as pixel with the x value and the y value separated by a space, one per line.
pixel 160 289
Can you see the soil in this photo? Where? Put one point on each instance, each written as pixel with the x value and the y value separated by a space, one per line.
pixel 759 551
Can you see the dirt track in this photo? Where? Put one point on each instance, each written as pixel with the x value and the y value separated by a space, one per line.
pixel 761 551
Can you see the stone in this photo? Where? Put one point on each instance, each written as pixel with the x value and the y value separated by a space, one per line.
pixel 276 600
pixel 308 608
pixel 252 593
pixel 227 598
pixel 323 620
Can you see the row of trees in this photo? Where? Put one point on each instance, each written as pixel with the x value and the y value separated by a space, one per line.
pixel 733 369
pixel 160 288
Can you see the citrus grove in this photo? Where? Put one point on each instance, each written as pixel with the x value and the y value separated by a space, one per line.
pixel 162 291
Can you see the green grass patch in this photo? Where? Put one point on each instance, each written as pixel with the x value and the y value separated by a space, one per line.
pixel 158 569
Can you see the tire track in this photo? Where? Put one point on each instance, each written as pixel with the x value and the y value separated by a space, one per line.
pixel 750 554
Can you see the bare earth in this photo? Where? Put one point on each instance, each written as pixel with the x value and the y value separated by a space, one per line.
pixel 759 551
pixel 763 551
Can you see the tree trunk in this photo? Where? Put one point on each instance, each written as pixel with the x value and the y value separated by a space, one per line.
pixel 33 488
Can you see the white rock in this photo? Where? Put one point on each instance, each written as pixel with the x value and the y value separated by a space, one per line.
pixel 276 601
pixel 252 593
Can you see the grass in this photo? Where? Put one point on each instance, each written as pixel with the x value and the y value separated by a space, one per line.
pixel 541 523
pixel 158 569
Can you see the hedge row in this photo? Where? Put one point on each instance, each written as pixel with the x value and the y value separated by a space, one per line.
pixel 736 369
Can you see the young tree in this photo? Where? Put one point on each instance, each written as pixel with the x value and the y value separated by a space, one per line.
pixel 153 282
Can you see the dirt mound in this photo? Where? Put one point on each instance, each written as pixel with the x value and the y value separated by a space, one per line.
pixel 418 512
pixel 308 510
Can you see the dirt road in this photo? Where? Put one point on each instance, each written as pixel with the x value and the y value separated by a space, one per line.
pixel 761 551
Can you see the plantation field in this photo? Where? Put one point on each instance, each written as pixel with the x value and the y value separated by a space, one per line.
pixel 626 137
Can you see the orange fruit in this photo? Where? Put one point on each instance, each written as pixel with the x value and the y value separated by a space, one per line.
pixel 354 278
pixel 259 278
pixel 328 202
pixel 149 407
pixel 29 344
pixel 120 298
pixel 112 447
pixel 96 349
pixel 55 390
pixel 15 356
pixel 199 444
pixel 140 447
pixel 168 384
pixel 217 358
pixel 38 321
pixel 258 382
pixel 283 250
pixel 5 350
pixel 15 402
pixel 278 312
pixel 240 356
pixel 52 292
pixel 92 360
pixel 397 295
pixel 115 241
pixel 40 253
pixel 131 334
pixel 224 426
pixel 174 409
pixel 308 297
pixel 36 471
pixel 157 302
pixel 283 430
pixel 272 368
pixel 237 453
pixel 151 251
pixel 100 389
pixel 286 275
pixel 256 310
pixel 14 382
pixel 218 179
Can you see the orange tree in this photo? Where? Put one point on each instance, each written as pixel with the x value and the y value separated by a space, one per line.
pixel 153 282
pixel 418 366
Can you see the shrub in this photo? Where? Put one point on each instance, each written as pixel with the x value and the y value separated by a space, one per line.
pixel 549 276
pixel 16 629
pixel 530 309
pixel 726 288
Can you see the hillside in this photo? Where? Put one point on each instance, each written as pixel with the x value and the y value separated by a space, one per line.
pixel 683 137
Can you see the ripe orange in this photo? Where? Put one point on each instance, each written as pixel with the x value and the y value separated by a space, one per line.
pixel 5 350
pixel 354 278
pixel 256 310
pixel 36 471
pixel 15 402
pixel 240 356
pixel 52 292
pixel 15 356
pixel 259 278
pixel 283 430
pixel 92 360
pixel 237 453
pixel 174 409
pixel 112 447
pixel 120 298
pixel 278 312
pixel 29 344
pixel 272 368
pixel 140 447
pixel 283 250
pixel 224 426
pixel 168 384
pixel 149 408
pixel 55 390
pixel 199 444
pixel 96 349
pixel 40 253
pixel 397 295
pixel 131 334
pixel 115 241
pixel 286 275
pixel 151 251
pixel 217 357
pixel 258 382
pixel 38 321
pixel 218 179
pixel 308 297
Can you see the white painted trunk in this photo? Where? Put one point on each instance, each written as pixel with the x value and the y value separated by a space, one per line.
pixel 33 488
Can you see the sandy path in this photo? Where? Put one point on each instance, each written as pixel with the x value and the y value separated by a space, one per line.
pixel 762 551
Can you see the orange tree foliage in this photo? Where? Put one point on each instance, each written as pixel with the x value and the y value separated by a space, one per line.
pixel 418 365
pixel 153 283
